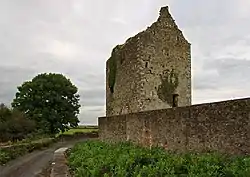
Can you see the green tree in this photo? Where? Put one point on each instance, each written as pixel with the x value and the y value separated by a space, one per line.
pixel 5 113
pixel 51 100
pixel 14 125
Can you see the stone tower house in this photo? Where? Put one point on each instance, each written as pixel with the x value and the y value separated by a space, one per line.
pixel 150 71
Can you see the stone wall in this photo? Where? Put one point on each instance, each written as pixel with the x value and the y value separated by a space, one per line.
pixel 221 126
pixel 117 126
pixel 148 69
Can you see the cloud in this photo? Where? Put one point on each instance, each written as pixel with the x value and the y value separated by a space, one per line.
pixel 93 97
pixel 118 20
pixel 9 83
pixel 61 49
pixel 76 38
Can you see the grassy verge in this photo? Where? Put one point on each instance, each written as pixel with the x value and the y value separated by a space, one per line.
pixel 96 159
pixel 10 150
pixel 13 151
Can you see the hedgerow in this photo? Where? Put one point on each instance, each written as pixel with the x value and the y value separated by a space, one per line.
pixel 14 125
pixel 96 159
pixel 11 152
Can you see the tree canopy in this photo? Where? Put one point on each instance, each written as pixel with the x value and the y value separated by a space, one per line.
pixel 51 100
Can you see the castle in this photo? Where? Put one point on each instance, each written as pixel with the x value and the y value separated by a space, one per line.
pixel 148 97
pixel 152 70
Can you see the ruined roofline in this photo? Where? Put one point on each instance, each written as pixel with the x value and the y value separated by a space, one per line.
pixel 164 10
pixel 163 14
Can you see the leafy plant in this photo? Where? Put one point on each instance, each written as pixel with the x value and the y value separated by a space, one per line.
pixel 96 159
pixel 14 125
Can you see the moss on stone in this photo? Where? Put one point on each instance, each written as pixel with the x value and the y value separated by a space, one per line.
pixel 112 63
pixel 169 84
pixel 112 73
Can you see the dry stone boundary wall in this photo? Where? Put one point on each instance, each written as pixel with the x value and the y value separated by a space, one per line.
pixel 220 126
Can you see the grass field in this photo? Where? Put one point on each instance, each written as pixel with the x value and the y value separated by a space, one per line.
pixel 81 129
pixel 88 126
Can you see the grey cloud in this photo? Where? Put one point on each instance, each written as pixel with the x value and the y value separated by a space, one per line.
pixel 233 68
pixel 204 83
pixel 90 117
pixel 93 96
pixel 11 78
pixel 209 14
pixel 92 101
pixel 96 110
pixel 90 114
pixel 227 73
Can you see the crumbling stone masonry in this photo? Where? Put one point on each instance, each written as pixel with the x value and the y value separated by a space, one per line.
pixel 150 71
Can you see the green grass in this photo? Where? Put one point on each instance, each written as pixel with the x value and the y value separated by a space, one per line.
pixel 19 149
pixel 97 159
pixel 88 126
pixel 81 129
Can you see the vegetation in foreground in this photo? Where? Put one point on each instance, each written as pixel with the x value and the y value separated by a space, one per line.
pixel 96 159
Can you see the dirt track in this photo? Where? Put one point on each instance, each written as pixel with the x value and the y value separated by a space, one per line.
pixel 34 164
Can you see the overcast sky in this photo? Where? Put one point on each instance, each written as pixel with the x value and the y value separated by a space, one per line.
pixel 75 37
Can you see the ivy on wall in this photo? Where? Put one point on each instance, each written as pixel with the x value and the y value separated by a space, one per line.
pixel 112 73
pixel 169 84
pixel 112 64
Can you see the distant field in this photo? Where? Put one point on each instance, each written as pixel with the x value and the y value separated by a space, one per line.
pixel 88 126
pixel 81 129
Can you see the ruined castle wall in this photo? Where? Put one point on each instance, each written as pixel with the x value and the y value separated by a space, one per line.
pixel 150 68
pixel 222 126
pixel 126 79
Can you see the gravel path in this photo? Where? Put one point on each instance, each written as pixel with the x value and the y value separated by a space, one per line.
pixel 34 164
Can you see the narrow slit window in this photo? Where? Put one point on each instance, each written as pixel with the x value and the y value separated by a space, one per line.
pixel 112 89
pixel 175 100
